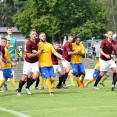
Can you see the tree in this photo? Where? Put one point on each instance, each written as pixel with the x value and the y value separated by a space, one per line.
pixel 6 14
pixel 111 6
pixel 60 17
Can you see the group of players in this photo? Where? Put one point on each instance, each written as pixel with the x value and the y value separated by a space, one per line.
pixel 41 62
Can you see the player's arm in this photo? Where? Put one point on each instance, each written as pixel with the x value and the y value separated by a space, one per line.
pixel 101 50
pixel 0 61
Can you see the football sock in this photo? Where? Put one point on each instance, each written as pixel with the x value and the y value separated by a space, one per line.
pixel 13 83
pixel 52 81
pixel 37 82
pixel 97 80
pixel 90 81
pixel 65 77
pixel 48 83
pixel 30 83
pixel 21 83
pixel 71 78
pixel 115 79
pixel 82 77
pixel 113 76
pixel 41 81
pixel 2 82
pixel 60 81
pixel 104 78
pixel 78 81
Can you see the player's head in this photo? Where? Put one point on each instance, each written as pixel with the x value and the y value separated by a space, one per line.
pixel 110 34
pixel 8 43
pixel 78 40
pixel 56 45
pixel 3 41
pixel 42 37
pixel 32 34
pixel 70 37
pixel 9 31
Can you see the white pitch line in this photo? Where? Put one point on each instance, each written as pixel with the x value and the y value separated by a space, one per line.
pixel 84 107
pixel 14 112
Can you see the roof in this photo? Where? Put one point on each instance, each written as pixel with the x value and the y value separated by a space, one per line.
pixel 4 29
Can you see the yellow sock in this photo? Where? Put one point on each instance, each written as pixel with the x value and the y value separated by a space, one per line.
pixel 2 82
pixel 53 82
pixel 41 81
pixel 13 83
pixel 71 78
pixel 48 83
pixel 82 77
pixel 78 81
pixel 104 78
pixel 90 81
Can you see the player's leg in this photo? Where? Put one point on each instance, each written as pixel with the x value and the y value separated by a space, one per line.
pixel 82 70
pixel 75 72
pixel 66 65
pixel 37 84
pixel 45 75
pixel 41 82
pixel 106 75
pixel 104 65
pixel 26 70
pixel 35 75
pixel 71 77
pixel 95 74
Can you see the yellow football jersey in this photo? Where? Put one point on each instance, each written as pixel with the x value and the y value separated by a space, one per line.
pixel 4 64
pixel 97 66
pixel 77 58
pixel 45 59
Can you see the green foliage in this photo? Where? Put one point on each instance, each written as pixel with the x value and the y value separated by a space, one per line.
pixel 7 10
pixel 60 17
pixel 111 6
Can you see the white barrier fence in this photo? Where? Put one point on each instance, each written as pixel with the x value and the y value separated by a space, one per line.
pixel 89 74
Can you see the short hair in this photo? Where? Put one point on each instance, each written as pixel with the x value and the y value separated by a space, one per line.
pixel 78 37
pixel 70 35
pixel 41 33
pixel 9 28
pixel 32 30
pixel 109 31
pixel 56 42
pixel 3 38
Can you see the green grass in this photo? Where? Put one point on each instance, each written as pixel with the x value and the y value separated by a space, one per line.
pixel 71 102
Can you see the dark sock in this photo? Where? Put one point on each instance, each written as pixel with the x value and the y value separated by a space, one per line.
pixel 60 81
pixel 30 83
pixel 28 79
pixel 21 83
pixel 37 82
pixel 65 77
pixel 115 79
pixel 97 80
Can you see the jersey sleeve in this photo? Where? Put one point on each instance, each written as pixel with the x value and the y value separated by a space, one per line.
pixel 28 48
pixel 53 50
pixel 68 47
pixel 102 44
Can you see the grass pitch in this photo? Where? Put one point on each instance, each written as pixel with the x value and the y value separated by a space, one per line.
pixel 71 102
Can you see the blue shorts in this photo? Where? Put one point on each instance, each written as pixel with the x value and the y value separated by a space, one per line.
pixel 47 72
pixel 97 72
pixel 7 73
pixel 78 68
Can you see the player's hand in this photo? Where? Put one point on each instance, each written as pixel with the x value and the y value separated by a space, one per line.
pixel 107 56
pixel 13 64
pixel 0 67
pixel 39 52
pixel 62 58
pixel 34 51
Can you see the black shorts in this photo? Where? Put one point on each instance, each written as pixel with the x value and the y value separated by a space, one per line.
pixel 94 53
